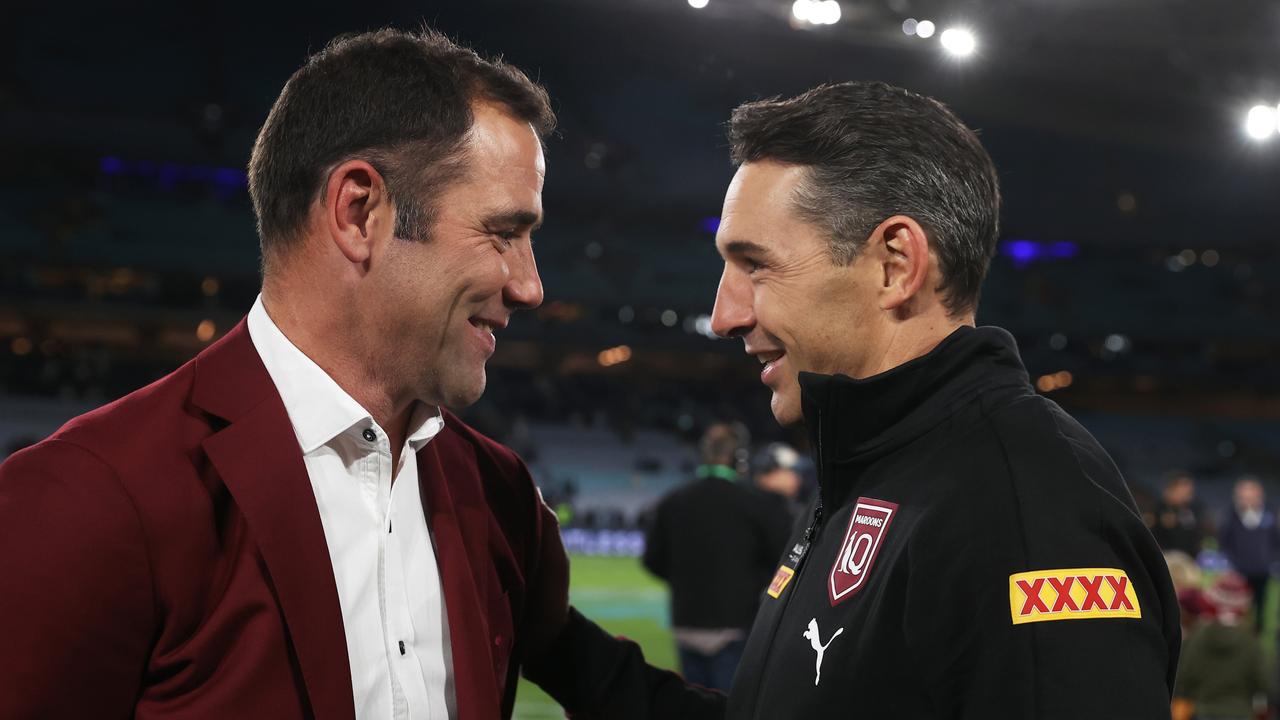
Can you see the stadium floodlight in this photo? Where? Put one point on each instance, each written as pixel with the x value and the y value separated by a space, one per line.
pixel 925 29
pixel 800 10
pixel 909 26
pixel 825 12
pixel 959 42
pixel 697 4
pixel 1260 123
pixel 816 12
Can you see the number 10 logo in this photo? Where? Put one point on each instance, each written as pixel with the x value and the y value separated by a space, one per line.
pixel 858 551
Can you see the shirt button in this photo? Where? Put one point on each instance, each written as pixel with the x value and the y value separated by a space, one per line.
pixel 369 435
pixel 401 647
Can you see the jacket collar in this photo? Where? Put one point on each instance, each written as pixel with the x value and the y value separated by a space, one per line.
pixel 858 421
pixel 257 456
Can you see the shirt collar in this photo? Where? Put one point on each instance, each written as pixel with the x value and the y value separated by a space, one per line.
pixel 319 409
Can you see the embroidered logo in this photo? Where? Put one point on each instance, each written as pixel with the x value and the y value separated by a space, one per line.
pixel 862 541
pixel 1072 594
pixel 818 646
pixel 780 580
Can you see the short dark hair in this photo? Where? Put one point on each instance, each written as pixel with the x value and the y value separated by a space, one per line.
pixel 399 100
pixel 874 151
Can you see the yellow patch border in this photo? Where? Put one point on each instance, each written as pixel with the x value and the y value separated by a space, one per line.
pixel 784 574
pixel 1017 596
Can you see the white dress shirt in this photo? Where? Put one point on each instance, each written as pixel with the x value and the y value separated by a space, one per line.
pixel 383 559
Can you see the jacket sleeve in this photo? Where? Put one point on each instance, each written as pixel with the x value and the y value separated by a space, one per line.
pixel 596 676
pixel 655 543
pixel 984 651
pixel 77 613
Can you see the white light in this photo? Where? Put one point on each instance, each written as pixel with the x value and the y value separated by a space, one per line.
pixel 670 318
pixel 909 26
pixel 1260 123
pixel 1116 343
pixel 925 29
pixel 958 42
pixel 816 12
pixel 697 4
pixel 825 12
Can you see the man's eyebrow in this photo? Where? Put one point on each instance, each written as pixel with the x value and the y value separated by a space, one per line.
pixel 745 247
pixel 515 218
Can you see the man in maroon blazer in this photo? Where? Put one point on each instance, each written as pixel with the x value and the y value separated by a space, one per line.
pixel 290 525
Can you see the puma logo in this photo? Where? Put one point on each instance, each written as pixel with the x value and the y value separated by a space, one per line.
pixel 818 646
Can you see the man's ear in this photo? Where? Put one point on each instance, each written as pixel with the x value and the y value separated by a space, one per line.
pixel 905 260
pixel 356 207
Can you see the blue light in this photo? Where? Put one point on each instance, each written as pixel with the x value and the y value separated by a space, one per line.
pixel 169 175
pixel 230 177
pixel 711 224
pixel 111 165
pixel 1025 252
pixel 1022 251
pixel 1063 250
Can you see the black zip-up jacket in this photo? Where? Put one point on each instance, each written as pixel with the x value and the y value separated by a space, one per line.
pixel 975 554
pixel 738 531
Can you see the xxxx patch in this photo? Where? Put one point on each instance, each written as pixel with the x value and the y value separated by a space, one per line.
pixel 780 580
pixel 858 551
pixel 1072 594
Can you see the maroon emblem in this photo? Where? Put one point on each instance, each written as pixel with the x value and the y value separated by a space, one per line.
pixel 862 540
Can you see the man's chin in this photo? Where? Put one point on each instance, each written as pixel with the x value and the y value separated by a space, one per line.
pixel 466 393
pixel 786 410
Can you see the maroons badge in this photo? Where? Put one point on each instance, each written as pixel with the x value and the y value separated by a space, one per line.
pixel 867 527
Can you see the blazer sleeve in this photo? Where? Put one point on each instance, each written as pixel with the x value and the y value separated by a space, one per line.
pixel 596 676
pixel 77 613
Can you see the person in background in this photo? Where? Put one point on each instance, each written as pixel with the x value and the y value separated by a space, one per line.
pixel 716 542
pixel 1188 584
pixel 777 469
pixel 1176 523
pixel 1222 674
pixel 1250 540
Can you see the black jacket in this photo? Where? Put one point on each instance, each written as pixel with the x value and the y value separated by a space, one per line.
pixel 979 499
pixel 716 543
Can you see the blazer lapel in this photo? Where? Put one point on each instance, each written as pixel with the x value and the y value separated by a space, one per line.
pixel 258 459
pixel 457 526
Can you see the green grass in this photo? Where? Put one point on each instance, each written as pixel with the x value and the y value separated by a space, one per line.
pixel 624 599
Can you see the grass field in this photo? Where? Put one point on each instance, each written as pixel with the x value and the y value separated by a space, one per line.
pixel 623 598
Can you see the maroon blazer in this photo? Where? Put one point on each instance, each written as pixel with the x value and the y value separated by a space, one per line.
pixel 163 557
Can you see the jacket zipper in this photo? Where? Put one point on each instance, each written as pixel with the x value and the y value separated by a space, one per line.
pixel 810 535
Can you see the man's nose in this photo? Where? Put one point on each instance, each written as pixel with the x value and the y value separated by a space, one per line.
pixel 733 314
pixel 524 286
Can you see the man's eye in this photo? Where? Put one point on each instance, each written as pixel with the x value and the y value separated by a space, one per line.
pixel 506 236
pixel 752 265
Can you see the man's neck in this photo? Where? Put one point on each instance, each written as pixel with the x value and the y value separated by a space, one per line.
pixel 323 338
pixel 906 341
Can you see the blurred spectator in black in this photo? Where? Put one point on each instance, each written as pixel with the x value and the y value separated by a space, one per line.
pixel 1251 540
pixel 717 542
pixel 1221 674
pixel 1177 519
pixel 777 470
